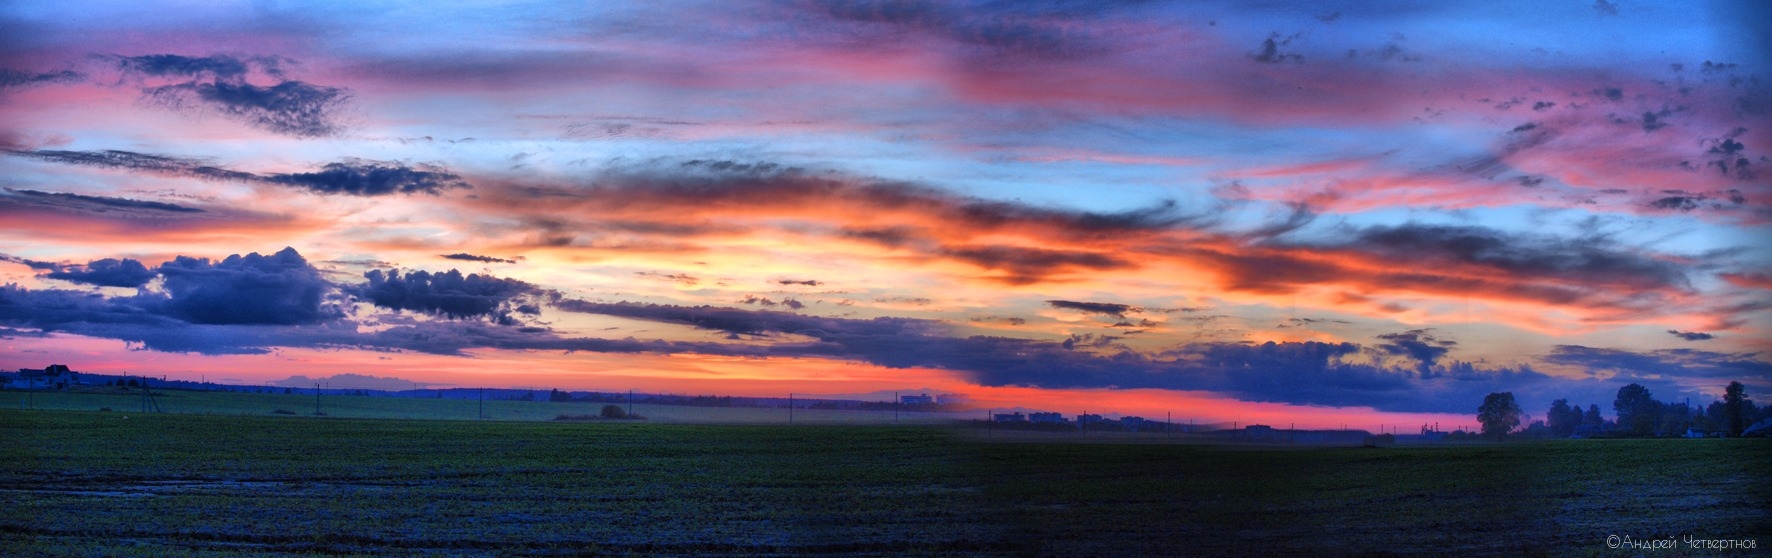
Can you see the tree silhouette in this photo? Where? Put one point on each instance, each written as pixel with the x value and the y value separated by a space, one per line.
pixel 1736 408
pixel 1638 411
pixel 1562 418
pixel 1592 418
pixel 1499 414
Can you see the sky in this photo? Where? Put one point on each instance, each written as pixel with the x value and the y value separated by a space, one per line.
pixel 1314 213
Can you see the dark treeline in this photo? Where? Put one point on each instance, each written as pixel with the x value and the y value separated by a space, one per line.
pixel 1637 414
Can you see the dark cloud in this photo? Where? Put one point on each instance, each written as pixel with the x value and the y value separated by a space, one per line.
pixel 1299 373
pixel 448 294
pixel 1393 51
pixel 1675 363
pixel 683 278
pixel 172 65
pixel 694 191
pixel 1031 265
pixel 995 32
pixel 11 79
pixel 1010 320
pixel 143 322
pixel 87 313
pixel 90 204
pixel 475 258
pixel 1677 203
pixel 279 289
pixel 1587 260
pixel 791 303
pixel 1103 308
pixel 1691 335
pixel 756 322
pixel 351 176
pixel 805 282
pixel 33 264
pixel 911 300
pixel 1307 322
pixel 1728 155
pixel 1653 121
pixel 1417 344
pixel 1309 373
pixel 220 84
pixel 130 160
pixel 1271 53
pixel 108 272
pixel 238 305
pixel 1605 8
pixel 371 178
pixel 888 236
pixel 721 183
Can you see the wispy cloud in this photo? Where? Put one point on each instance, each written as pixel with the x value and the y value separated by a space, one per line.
pixel 356 177
pixel 220 84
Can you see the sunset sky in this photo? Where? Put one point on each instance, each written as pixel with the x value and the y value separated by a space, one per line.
pixel 1313 212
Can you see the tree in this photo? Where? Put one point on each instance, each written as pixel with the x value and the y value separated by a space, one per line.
pixel 1592 418
pixel 1637 409
pixel 1562 418
pixel 614 412
pixel 1675 419
pixel 1499 414
pixel 1737 409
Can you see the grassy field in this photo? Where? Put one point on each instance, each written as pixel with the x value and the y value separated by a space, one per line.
pixel 96 483
pixel 356 406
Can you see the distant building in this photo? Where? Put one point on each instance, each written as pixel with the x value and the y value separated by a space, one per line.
pixel 1431 433
pixel 1259 432
pixel 953 399
pixel 1047 418
pixel 1009 417
pixel 1133 423
pixel 56 375
pixel 918 399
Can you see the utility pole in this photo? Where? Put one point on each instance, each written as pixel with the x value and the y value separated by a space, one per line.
pixel 630 402
pixel 316 400
pixel 482 403
pixel 790 408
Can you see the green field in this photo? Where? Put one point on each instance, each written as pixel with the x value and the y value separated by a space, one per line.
pixel 89 483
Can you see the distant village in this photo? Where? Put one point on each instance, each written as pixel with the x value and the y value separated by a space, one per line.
pixel 1218 431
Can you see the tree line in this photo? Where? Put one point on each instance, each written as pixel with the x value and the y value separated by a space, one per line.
pixel 1637 412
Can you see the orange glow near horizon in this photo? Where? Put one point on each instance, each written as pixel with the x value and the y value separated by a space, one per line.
pixel 806 378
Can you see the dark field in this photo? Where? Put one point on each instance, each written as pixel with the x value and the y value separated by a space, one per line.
pixel 97 483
